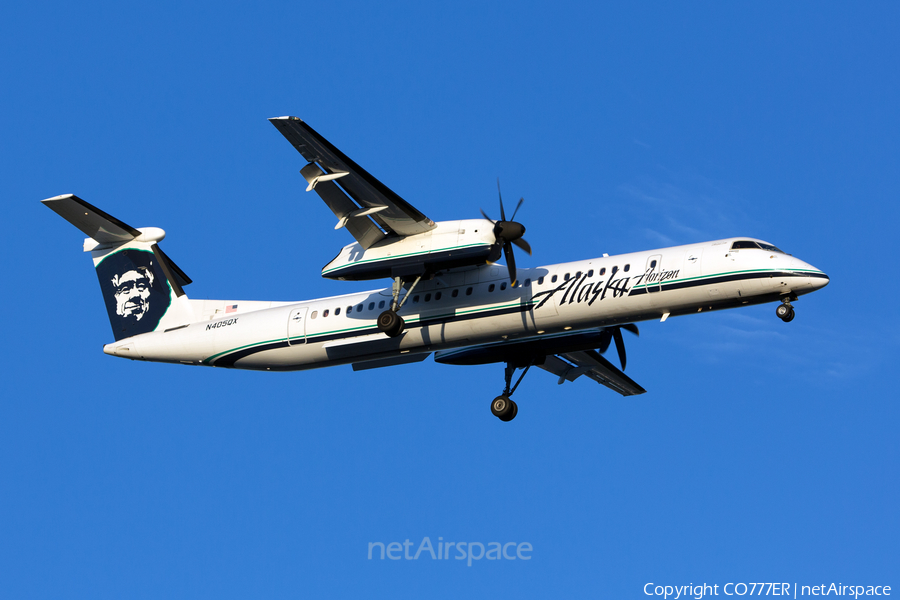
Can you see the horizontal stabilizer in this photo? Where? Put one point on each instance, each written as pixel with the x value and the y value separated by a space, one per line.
pixel 178 275
pixel 95 223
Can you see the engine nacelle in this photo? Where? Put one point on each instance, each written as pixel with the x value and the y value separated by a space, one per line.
pixel 449 245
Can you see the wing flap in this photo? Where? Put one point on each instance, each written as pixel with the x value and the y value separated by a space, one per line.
pixel 604 372
pixel 363 229
pixel 400 217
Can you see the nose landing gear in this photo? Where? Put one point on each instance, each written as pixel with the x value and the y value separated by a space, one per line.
pixel 785 311
pixel 502 406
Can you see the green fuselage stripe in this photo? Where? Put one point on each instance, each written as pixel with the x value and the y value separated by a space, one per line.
pixel 656 283
pixel 361 327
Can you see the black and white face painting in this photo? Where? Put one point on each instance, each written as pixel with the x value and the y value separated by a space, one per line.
pixel 135 290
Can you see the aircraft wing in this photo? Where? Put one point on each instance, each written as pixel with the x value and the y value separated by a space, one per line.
pixel 591 364
pixel 567 356
pixel 362 204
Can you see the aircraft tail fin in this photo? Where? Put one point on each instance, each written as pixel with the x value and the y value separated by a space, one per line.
pixel 141 286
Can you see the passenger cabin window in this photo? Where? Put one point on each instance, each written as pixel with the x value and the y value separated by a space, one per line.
pixel 428 297
pixel 371 305
pixel 652 264
pixel 527 282
pixel 491 288
pixel 502 286
pixel 578 275
pixel 416 299
pixel 627 267
pixel 591 273
pixel 454 293
pixel 541 280
pixel 437 296
pixel 337 311
pixel 553 279
pixel 603 271
pixel 314 314
pixel 324 313
pixel 566 277
pixel 359 308
pixel 468 291
pixel 381 304
pixel 349 309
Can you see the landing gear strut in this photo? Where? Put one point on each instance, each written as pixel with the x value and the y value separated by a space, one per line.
pixel 389 321
pixel 785 311
pixel 502 406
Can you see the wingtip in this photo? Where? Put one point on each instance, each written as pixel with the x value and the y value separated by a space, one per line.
pixel 60 197
pixel 285 118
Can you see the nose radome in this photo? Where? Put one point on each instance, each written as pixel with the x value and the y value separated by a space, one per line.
pixel 817 278
pixel 821 280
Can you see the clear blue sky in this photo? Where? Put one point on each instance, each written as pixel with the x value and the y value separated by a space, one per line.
pixel 763 451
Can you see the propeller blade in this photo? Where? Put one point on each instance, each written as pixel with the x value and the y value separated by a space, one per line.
pixel 521 243
pixel 620 345
pixel 502 214
pixel 605 339
pixel 484 214
pixel 513 218
pixel 510 263
pixel 632 328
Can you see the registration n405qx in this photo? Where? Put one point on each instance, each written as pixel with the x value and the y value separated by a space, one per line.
pixel 448 296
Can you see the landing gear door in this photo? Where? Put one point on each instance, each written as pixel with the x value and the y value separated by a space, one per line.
pixel 296 329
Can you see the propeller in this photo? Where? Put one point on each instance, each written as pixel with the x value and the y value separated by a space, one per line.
pixel 506 233
pixel 615 333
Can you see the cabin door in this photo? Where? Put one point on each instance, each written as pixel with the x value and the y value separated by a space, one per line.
pixel 296 329
pixel 652 272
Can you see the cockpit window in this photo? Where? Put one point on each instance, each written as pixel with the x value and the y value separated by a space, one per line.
pixel 742 244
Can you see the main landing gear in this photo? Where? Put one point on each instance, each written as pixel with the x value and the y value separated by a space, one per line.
pixel 389 321
pixel 502 406
pixel 785 311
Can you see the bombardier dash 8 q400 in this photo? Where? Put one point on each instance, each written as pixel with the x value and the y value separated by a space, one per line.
pixel 447 297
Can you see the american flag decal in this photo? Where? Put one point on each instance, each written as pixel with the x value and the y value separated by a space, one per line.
pixel 231 308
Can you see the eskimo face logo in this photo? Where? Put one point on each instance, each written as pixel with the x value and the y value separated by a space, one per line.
pixel 133 292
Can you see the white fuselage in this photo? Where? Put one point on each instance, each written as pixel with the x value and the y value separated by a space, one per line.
pixel 476 306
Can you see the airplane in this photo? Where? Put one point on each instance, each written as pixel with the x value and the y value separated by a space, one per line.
pixel 448 296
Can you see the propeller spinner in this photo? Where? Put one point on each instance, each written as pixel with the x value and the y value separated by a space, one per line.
pixel 506 233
